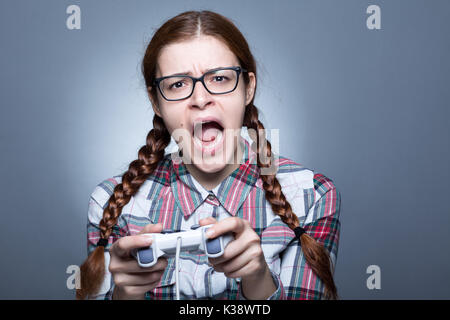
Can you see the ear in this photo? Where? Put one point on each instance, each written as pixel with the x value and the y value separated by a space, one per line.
pixel 250 90
pixel 154 103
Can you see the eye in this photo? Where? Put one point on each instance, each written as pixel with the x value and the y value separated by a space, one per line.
pixel 177 84
pixel 220 78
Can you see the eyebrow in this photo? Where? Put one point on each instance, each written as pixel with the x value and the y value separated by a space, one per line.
pixel 189 73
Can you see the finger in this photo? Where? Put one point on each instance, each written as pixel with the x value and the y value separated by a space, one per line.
pixel 152 228
pixel 243 242
pixel 227 256
pixel 131 266
pixel 137 292
pixel 233 224
pixel 206 221
pixel 233 249
pixel 137 279
pixel 246 270
pixel 123 247
pixel 239 261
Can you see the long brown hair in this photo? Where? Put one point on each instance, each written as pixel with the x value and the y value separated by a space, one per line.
pixel 183 27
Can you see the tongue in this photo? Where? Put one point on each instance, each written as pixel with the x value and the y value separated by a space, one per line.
pixel 209 132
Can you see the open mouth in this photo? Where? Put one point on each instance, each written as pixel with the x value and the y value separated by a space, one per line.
pixel 207 133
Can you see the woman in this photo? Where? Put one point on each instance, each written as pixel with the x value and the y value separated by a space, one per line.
pixel 201 80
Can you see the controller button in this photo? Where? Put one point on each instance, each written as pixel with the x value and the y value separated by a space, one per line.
pixel 146 256
pixel 195 226
pixel 213 246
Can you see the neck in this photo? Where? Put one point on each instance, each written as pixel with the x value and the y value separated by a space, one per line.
pixel 210 180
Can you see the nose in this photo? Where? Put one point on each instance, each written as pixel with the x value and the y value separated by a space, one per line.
pixel 200 97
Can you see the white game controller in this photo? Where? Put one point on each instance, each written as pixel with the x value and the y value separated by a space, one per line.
pixel 194 241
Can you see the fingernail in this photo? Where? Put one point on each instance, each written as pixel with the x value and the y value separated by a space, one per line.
pixel 146 235
pixel 147 238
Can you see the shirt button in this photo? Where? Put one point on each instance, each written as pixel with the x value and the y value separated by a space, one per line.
pixel 211 197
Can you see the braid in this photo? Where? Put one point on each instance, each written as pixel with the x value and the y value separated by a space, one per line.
pixel 93 269
pixel 316 255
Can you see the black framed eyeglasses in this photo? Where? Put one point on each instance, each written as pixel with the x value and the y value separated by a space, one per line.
pixel 216 81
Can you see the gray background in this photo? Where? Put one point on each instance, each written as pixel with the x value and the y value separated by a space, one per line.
pixel 368 108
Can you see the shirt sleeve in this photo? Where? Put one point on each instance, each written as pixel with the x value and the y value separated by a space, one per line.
pixel 290 271
pixel 278 293
pixel 97 202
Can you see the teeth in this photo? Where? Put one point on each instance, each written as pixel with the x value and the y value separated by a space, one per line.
pixel 198 125
pixel 208 145
pixel 205 130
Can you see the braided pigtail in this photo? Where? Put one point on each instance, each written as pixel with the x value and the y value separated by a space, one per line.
pixel 93 269
pixel 316 255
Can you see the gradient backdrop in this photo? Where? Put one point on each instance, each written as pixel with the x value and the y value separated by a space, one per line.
pixel 368 108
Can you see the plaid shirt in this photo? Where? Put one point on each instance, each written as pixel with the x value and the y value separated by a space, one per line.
pixel 173 197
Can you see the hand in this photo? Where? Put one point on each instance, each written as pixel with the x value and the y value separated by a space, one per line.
pixel 243 257
pixel 131 280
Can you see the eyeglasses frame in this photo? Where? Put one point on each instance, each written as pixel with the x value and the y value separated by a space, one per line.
pixel 238 69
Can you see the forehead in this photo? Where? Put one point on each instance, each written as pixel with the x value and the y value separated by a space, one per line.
pixel 194 56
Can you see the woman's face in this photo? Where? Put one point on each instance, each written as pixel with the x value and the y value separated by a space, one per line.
pixel 207 146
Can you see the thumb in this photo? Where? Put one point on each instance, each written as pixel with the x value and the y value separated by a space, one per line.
pixel 152 228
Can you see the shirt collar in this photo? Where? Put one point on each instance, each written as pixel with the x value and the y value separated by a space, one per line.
pixel 231 192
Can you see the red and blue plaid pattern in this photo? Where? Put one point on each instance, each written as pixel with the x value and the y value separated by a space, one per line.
pixel 173 197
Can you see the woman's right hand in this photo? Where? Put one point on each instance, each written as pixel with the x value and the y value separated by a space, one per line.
pixel 131 280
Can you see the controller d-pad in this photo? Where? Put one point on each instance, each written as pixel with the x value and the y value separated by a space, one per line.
pixel 213 246
pixel 146 256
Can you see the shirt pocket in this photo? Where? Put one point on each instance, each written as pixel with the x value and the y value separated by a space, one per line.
pixel 168 277
pixel 274 240
pixel 165 289
pixel 157 211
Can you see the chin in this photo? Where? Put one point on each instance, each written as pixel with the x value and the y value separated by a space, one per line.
pixel 211 163
pixel 210 168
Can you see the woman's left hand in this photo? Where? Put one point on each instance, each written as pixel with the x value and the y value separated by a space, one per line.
pixel 243 258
